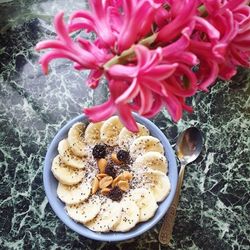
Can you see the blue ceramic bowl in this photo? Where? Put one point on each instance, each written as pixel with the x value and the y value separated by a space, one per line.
pixel 50 185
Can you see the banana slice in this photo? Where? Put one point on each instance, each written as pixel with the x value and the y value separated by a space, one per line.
pixel 129 216
pixel 110 130
pixel 108 217
pixel 68 157
pixel 65 174
pixel 92 133
pixel 126 137
pixel 145 200
pixel 145 144
pixel 74 194
pixel 158 183
pixel 153 160
pixel 76 140
pixel 85 211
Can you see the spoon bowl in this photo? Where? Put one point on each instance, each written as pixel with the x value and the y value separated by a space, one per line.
pixel 189 145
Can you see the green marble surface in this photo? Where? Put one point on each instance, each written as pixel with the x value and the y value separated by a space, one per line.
pixel 214 207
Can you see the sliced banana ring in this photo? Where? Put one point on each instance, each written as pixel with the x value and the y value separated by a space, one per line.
pixel 110 131
pixel 76 140
pixel 158 183
pixel 146 202
pixel 126 137
pixel 74 194
pixel 108 217
pixel 145 144
pixel 92 133
pixel 129 216
pixel 68 157
pixel 153 160
pixel 86 211
pixel 66 174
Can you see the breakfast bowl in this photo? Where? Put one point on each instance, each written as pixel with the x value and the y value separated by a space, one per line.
pixel 51 184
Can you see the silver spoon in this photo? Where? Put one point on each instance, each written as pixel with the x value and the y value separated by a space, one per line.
pixel 188 148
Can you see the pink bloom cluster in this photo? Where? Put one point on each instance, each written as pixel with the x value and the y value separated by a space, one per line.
pixel 148 50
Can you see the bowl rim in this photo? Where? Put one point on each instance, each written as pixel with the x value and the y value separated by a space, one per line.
pixel 56 204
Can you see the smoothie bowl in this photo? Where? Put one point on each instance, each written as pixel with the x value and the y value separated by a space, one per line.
pixel 107 183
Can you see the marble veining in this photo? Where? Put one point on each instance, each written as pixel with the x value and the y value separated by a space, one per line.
pixel 214 208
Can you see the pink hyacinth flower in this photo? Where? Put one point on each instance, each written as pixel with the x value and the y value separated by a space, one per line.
pixel 208 52
pixel 118 24
pixel 137 22
pixel 233 21
pixel 145 77
pixel 220 54
pixel 179 17
pixel 65 47
pixel 95 20
pixel 183 82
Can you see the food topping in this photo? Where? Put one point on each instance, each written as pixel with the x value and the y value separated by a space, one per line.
pixel 102 163
pixel 123 185
pixel 99 151
pixel 95 185
pixel 115 159
pixel 123 155
pixel 115 194
pixel 105 182
pixel 110 170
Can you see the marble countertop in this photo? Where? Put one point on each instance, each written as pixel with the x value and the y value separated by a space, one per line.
pixel 214 208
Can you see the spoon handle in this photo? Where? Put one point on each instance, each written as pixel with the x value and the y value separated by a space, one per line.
pixel 166 230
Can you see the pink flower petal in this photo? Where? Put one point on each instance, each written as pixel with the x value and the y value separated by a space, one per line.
pixel 156 107
pixel 130 93
pixel 122 71
pixel 163 71
pixel 208 28
pixel 232 5
pixel 177 88
pixel 103 28
pixel 61 29
pixel 213 71
pixel 126 118
pixel 161 16
pixel 155 59
pixel 46 58
pixel 100 54
pixel 138 17
pixel 117 88
pixel 175 47
pixel 146 100
pixel 100 112
pixel 83 14
pixel 174 107
pixel 49 44
pixel 153 84
pixel 143 55
pixel 94 78
pixel 79 25
pixel 227 71
pixel 174 28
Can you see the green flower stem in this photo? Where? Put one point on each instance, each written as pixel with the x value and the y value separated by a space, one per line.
pixel 119 59
pixel 149 40
pixel 129 53
pixel 203 11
